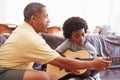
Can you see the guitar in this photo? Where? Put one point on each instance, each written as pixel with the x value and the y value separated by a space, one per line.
pixel 80 55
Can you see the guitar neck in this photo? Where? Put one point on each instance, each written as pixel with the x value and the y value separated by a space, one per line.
pixel 115 59
pixel 86 59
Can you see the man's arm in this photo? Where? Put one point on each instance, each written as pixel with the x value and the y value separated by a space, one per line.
pixel 73 64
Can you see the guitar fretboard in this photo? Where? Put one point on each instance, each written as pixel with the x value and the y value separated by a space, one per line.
pixel 115 59
pixel 86 59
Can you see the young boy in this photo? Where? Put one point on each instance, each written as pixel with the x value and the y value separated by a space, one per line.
pixel 74 29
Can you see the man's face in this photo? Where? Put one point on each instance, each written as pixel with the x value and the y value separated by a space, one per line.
pixel 78 37
pixel 41 21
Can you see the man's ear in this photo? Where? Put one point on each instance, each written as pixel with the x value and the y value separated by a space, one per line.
pixel 33 18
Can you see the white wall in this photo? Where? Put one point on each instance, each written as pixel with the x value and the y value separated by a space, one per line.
pixel 95 12
pixel 2 6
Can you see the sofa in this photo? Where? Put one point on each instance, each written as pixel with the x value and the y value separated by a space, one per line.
pixel 106 45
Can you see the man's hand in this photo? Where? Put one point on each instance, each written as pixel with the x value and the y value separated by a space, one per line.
pixel 53 77
pixel 75 72
pixel 101 63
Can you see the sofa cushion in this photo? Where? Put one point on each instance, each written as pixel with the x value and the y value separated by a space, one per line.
pixel 52 40
pixel 105 45
pixel 3 37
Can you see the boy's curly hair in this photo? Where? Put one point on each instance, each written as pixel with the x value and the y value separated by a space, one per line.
pixel 73 24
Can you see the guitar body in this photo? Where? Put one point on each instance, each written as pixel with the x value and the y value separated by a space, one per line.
pixel 68 54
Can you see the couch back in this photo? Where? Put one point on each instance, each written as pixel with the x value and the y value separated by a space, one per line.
pixel 105 45
pixel 3 37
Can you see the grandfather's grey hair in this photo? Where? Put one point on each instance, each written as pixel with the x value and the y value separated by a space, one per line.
pixel 32 9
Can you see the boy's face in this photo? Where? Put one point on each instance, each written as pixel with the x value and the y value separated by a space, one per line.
pixel 78 37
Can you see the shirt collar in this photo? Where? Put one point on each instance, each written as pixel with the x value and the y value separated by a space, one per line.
pixel 28 26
